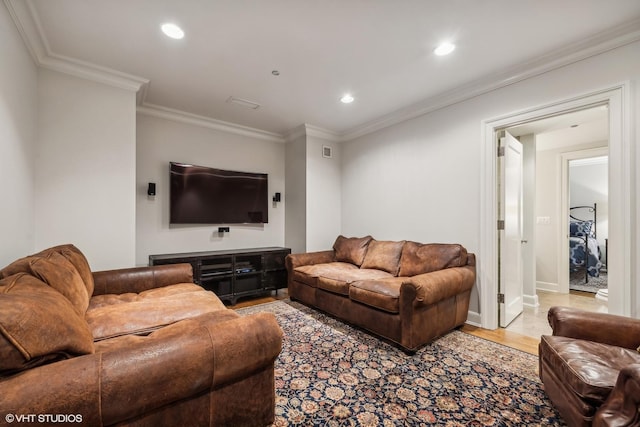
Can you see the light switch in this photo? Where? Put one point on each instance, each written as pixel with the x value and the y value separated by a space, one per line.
pixel 545 220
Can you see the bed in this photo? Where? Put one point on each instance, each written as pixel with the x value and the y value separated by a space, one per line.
pixel 584 250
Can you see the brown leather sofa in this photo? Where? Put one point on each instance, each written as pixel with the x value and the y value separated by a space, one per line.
pixel 140 346
pixel 590 367
pixel 406 292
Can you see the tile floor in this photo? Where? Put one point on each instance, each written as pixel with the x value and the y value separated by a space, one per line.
pixel 533 321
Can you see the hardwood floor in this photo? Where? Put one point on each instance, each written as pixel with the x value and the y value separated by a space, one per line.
pixel 523 333
pixel 503 336
pixel 248 302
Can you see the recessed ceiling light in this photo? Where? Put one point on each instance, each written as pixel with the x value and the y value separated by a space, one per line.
pixel 172 30
pixel 347 98
pixel 444 49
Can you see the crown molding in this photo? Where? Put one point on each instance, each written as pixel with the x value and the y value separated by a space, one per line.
pixel 28 27
pixel 28 24
pixel 97 74
pixel 321 133
pixel 207 122
pixel 296 132
pixel 586 48
pixel 306 129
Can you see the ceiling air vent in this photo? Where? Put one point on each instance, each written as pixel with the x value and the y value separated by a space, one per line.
pixel 243 103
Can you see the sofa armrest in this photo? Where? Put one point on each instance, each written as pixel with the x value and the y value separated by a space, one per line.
pixel 139 279
pixel 173 364
pixel 598 327
pixel 430 288
pixel 622 407
pixel 309 258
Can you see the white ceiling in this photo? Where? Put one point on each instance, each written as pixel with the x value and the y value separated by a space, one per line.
pixel 567 130
pixel 379 50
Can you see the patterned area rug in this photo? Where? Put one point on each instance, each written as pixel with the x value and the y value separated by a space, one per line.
pixel 577 283
pixel 330 374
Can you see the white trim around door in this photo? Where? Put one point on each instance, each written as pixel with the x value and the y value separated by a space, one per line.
pixel 620 200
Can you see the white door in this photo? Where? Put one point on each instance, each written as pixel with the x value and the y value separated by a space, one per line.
pixel 510 238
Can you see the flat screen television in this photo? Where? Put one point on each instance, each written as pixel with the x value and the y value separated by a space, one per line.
pixel 203 195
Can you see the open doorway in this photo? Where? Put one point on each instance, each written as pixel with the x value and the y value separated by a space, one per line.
pixel 620 209
pixel 588 209
pixel 564 180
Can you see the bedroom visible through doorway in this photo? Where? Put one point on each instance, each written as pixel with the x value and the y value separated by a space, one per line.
pixel 589 224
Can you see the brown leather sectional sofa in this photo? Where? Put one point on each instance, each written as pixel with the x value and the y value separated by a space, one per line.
pixel 406 292
pixel 590 367
pixel 140 346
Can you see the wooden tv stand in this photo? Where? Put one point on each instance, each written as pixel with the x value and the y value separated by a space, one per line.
pixel 234 273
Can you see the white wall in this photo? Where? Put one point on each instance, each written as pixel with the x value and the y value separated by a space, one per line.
pixel 324 195
pixel 528 220
pixel 548 181
pixel 18 118
pixel 160 141
pixel 85 169
pixel 415 181
pixel 420 179
pixel 589 184
pixel 295 195
pixel 314 193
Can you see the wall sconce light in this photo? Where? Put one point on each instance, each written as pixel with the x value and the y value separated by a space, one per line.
pixel 276 197
pixel 151 189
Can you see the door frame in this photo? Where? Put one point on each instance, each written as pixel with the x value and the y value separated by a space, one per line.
pixel 563 242
pixel 620 202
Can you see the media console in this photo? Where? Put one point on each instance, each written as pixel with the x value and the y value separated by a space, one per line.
pixel 234 273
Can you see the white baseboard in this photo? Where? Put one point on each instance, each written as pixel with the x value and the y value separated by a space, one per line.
pixel 547 286
pixel 530 300
pixel 473 319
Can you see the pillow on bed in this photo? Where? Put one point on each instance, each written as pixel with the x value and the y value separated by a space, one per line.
pixel 581 229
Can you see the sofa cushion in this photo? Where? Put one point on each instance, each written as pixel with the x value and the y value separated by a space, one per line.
pixel 418 258
pixel 79 261
pixel 342 271
pixel 308 274
pixel 112 299
pixel 69 252
pixel 303 277
pixel 383 255
pixel 125 342
pixel 38 325
pixel 335 276
pixel 382 294
pixel 56 271
pixel 351 249
pixel 332 285
pixel 152 311
pixel 588 368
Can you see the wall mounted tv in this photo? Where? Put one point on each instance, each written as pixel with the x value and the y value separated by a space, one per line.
pixel 203 195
